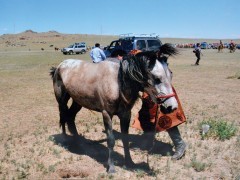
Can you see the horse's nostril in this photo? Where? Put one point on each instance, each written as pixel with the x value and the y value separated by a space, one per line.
pixel 167 110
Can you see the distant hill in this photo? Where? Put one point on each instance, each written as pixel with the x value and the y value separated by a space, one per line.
pixel 29 31
pixel 53 32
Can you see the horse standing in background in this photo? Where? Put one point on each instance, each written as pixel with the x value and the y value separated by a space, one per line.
pixel 232 48
pixel 220 48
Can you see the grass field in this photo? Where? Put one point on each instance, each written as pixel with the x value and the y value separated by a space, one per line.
pixel 32 146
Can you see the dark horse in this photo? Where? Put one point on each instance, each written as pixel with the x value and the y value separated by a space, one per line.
pixel 220 48
pixel 112 89
pixel 232 47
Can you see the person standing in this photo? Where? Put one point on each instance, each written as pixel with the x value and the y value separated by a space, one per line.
pixel 197 52
pixel 149 118
pixel 97 54
pixel 146 121
pixel 221 43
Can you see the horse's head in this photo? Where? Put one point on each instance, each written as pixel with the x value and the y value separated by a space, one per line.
pixel 160 77
pixel 148 71
pixel 160 88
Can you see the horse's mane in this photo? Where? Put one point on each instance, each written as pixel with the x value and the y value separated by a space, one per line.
pixel 137 68
pixel 134 73
pixel 167 49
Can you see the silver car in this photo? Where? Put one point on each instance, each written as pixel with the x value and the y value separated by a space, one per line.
pixel 78 48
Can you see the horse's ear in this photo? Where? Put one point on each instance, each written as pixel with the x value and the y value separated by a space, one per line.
pixel 125 65
pixel 151 62
pixel 163 59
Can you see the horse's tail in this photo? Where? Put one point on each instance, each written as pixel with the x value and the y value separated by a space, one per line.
pixel 60 94
pixel 168 49
pixel 52 71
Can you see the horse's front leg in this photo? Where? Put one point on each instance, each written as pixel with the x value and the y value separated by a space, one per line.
pixel 107 119
pixel 124 123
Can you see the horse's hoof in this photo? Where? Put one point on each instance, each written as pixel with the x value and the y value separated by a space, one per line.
pixel 74 133
pixel 64 133
pixel 130 164
pixel 111 170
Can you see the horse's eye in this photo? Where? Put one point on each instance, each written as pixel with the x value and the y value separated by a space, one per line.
pixel 157 81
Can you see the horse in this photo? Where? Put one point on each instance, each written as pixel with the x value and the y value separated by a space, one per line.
pixel 220 48
pixel 112 89
pixel 232 47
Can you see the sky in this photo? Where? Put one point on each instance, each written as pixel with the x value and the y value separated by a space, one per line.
pixel 213 19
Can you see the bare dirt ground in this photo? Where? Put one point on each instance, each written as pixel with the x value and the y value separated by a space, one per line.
pixel 32 146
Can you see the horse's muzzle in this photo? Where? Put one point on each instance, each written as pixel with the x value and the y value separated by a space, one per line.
pixel 167 110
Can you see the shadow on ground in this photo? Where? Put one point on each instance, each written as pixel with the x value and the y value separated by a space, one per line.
pixel 99 152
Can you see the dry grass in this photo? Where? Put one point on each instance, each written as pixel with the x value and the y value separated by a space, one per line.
pixel 33 148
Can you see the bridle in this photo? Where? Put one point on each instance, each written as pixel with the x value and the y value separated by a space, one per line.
pixel 163 98
pixel 166 96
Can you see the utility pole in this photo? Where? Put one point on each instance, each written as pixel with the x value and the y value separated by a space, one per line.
pixel 101 32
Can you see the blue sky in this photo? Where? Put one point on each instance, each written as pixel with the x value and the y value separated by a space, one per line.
pixel 218 19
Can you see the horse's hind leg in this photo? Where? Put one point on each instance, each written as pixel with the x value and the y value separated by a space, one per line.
pixel 72 112
pixel 67 115
pixel 63 110
pixel 62 98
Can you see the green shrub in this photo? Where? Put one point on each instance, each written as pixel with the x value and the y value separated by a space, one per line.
pixel 219 129
pixel 198 166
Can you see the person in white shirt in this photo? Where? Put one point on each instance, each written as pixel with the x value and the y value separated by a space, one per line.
pixel 97 54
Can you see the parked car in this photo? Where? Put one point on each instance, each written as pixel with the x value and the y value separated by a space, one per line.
pixel 226 45
pixel 78 48
pixel 238 46
pixel 215 45
pixel 205 45
pixel 129 42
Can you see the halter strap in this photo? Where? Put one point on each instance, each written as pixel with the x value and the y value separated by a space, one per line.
pixel 166 96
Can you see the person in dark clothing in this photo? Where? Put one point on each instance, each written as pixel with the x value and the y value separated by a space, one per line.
pixel 197 52
pixel 146 115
